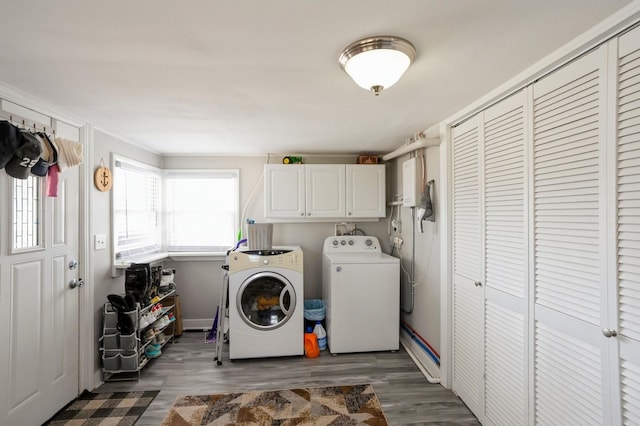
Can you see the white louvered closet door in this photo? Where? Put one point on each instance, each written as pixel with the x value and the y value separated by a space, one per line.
pixel 569 261
pixel 468 327
pixel 628 225
pixel 505 242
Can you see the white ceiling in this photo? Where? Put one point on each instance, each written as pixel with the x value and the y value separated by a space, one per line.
pixel 257 77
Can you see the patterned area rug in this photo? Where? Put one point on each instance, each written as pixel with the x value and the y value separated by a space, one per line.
pixel 337 405
pixel 117 408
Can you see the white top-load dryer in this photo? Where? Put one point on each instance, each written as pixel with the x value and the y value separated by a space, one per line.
pixel 361 292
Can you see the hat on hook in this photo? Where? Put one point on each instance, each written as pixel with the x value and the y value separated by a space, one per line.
pixel 9 142
pixel 69 153
pixel 46 158
pixel 25 157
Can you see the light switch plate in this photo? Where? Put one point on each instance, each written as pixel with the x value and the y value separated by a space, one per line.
pixel 100 241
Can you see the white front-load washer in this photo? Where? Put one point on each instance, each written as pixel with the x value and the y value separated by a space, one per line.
pixel 361 293
pixel 266 303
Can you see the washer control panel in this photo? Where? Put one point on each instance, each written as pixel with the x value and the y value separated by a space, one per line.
pixel 351 244
pixel 255 259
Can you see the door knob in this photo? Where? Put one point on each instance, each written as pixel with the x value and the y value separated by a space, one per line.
pixel 76 283
pixel 609 332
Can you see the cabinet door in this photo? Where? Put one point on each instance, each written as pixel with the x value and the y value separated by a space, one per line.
pixel 325 184
pixel 284 190
pixel 468 324
pixel 366 190
pixel 628 228
pixel 569 269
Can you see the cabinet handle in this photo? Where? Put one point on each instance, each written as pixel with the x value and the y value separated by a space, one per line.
pixel 478 284
pixel 349 213
pixel 608 332
pixel 301 214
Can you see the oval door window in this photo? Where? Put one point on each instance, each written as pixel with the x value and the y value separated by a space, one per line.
pixel 266 300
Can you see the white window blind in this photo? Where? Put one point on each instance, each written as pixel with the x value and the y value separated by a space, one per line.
pixel 202 211
pixel 136 201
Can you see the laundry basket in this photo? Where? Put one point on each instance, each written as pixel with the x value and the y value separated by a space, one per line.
pixel 260 236
pixel 314 310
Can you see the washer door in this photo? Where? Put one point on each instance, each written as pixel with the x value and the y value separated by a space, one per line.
pixel 266 300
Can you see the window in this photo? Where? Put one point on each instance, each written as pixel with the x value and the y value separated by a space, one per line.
pixel 201 210
pixel 26 214
pixel 136 209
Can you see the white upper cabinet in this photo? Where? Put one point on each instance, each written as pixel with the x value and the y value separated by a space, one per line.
pixel 325 184
pixel 324 191
pixel 284 191
pixel 365 190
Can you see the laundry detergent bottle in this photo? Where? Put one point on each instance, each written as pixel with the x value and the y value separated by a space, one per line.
pixel 311 349
pixel 321 334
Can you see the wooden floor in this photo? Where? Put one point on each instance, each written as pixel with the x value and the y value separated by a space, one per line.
pixel 187 368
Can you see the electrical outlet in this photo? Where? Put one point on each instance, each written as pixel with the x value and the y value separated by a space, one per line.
pixel 396 226
pixel 395 241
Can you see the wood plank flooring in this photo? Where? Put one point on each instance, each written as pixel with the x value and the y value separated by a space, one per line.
pixel 187 368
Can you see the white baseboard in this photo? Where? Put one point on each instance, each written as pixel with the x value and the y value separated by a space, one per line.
pixel 197 324
pixel 427 366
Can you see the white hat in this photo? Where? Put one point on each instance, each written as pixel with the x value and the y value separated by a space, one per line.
pixel 69 153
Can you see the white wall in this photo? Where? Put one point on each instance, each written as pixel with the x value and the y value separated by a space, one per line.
pixel 424 316
pixel 199 282
pixel 100 204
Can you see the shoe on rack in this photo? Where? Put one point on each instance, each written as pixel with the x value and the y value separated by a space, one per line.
pixel 160 338
pixel 144 321
pixel 171 317
pixel 152 351
pixel 166 321
pixel 149 334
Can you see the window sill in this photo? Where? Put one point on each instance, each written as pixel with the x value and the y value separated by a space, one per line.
pixel 196 256
pixel 178 256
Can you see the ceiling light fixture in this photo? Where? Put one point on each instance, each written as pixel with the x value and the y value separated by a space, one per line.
pixel 377 63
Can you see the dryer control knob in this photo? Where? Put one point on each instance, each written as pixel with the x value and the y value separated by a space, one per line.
pixel 343 242
pixel 335 242
pixel 368 242
pixel 266 261
pixel 350 242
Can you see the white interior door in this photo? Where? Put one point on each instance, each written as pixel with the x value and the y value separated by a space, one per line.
pixel 468 298
pixel 505 243
pixel 628 228
pixel 569 235
pixel 38 309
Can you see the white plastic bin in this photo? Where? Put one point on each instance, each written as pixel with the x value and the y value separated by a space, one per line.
pixel 259 236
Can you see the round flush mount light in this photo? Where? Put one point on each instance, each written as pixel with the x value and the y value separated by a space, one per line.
pixel 377 63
